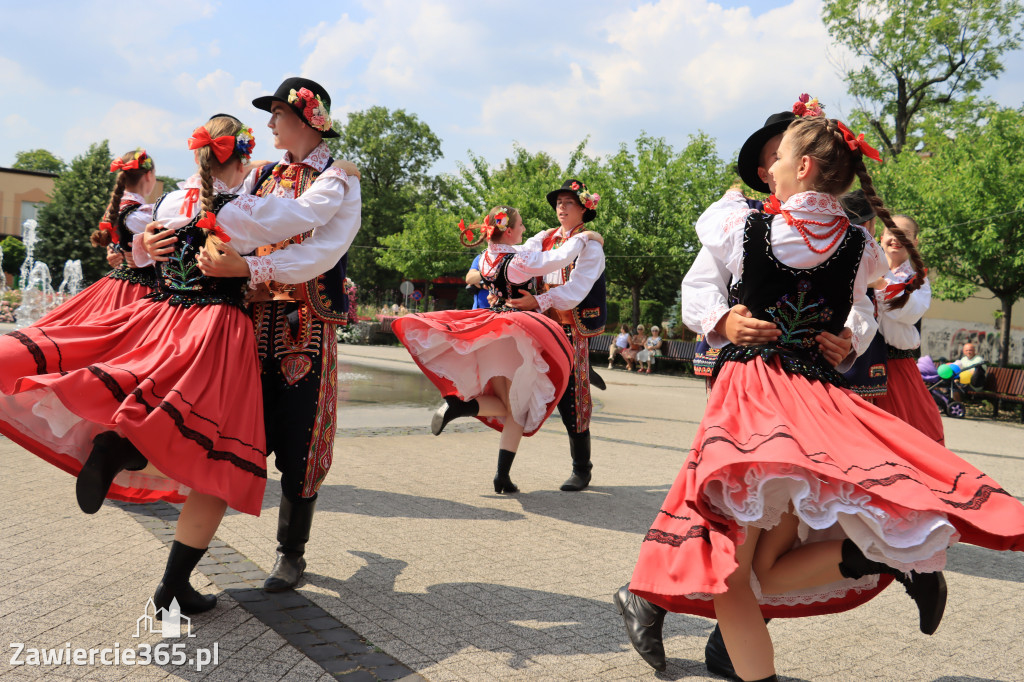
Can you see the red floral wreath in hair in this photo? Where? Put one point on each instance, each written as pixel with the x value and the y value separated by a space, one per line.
pixel 806 106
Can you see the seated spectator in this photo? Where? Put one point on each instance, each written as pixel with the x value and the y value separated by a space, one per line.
pixel 652 349
pixel 620 344
pixel 969 365
pixel 636 344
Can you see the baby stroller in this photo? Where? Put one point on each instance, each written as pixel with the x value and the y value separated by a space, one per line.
pixel 941 383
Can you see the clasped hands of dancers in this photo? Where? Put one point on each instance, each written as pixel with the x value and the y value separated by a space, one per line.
pixel 143 385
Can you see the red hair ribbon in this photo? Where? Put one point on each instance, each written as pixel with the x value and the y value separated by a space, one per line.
pixel 772 206
pixel 858 143
pixel 107 227
pixel 209 222
pixel 118 164
pixel 223 146
pixel 488 227
pixel 896 288
pixel 467 232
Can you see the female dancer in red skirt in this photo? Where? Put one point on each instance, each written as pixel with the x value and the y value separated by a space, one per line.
pixel 506 367
pixel 126 215
pixel 798 497
pixel 907 398
pixel 161 399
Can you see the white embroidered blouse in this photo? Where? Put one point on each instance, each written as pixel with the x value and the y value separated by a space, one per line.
pixel 897 325
pixel 571 293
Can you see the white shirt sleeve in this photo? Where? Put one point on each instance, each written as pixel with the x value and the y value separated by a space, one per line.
pixel 589 267
pixel 536 242
pixel 138 219
pixel 528 264
pixel 705 299
pixel 318 253
pixel 720 229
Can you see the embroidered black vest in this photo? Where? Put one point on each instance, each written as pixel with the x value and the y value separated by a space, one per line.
pixel 802 302
pixel 180 282
pixel 145 276
pixel 325 294
pixel 503 289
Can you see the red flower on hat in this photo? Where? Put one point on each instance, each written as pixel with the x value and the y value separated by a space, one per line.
pixel 575 186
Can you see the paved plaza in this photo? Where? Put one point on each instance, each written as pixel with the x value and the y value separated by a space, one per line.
pixel 417 570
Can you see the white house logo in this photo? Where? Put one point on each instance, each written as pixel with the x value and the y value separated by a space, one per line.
pixel 164 622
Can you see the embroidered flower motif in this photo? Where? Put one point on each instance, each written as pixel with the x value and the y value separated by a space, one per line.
pixel 799 317
pixel 313 108
pixel 803 285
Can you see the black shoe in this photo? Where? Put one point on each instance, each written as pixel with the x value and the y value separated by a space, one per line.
pixel 287 572
pixel 928 590
pixel 294 520
pixel 176 586
pixel 716 656
pixel 453 408
pixel 579 449
pixel 502 482
pixel 644 621
pixel 111 454
pixel 596 381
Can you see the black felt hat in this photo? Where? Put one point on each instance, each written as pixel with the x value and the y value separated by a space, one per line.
pixel 299 106
pixel 750 152
pixel 577 188
pixel 858 209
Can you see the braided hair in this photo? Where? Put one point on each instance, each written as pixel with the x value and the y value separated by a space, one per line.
pixel 219 125
pixel 821 139
pixel 477 233
pixel 125 178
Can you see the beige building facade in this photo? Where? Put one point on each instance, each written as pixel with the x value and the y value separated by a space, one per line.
pixel 22 193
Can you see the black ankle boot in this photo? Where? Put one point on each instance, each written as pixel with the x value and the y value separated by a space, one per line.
pixel 175 585
pixel 453 408
pixel 644 621
pixel 293 523
pixel 111 454
pixel 716 656
pixel 502 482
pixel 596 381
pixel 928 590
pixel 579 448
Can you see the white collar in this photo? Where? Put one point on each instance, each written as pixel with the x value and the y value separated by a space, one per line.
pixel 316 159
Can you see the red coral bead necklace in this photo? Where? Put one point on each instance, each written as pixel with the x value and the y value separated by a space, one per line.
pixel 836 228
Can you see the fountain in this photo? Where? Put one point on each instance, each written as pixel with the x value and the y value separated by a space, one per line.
pixel 72 282
pixel 36 291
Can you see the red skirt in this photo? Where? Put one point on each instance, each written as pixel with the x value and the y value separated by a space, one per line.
pixel 908 399
pixel 95 300
pixel 460 351
pixel 769 440
pixel 182 384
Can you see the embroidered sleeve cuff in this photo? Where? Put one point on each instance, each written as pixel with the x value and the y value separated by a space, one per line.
pixel 712 319
pixel 261 269
pixel 543 301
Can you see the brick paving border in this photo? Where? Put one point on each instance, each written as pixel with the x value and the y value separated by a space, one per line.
pixel 326 641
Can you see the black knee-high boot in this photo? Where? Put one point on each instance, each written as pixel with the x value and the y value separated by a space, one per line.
pixel 579 448
pixel 175 585
pixel 294 521
pixel 453 408
pixel 928 590
pixel 502 482
pixel 111 454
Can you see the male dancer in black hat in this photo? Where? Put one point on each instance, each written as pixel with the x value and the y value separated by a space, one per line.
pixel 298 303
pixel 575 297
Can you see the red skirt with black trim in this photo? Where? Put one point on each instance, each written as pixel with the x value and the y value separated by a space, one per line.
pixel 182 384
pixel 100 298
pixel 908 399
pixel 771 441
pixel 460 351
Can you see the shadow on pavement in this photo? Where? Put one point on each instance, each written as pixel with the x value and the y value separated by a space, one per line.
pixel 524 623
pixel 985 563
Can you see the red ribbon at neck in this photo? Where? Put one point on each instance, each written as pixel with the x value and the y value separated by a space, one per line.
pixel 554 236
pixel 223 146
pixel 857 143
pixel 773 206
pixel 896 288
pixel 188 206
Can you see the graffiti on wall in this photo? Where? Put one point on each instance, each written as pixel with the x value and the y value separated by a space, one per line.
pixel 946 338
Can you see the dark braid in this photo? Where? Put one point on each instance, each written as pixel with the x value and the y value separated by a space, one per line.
pixel 882 212
pixel 216 126
pixel 103 237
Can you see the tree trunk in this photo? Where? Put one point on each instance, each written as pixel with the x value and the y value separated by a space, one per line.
pixel 635 296
pixel 1004 342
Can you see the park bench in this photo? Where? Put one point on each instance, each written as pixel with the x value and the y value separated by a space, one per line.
pixel 671 351
pixel 1004 385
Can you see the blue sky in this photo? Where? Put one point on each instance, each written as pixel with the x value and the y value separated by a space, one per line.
pixel 482 74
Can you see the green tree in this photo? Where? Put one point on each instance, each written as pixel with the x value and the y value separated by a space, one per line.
pixel 916 56
pixel 965 193
pixel 394 151
pixel 14 254
pixel 80 196
pixel 39 160
pixel 651 197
